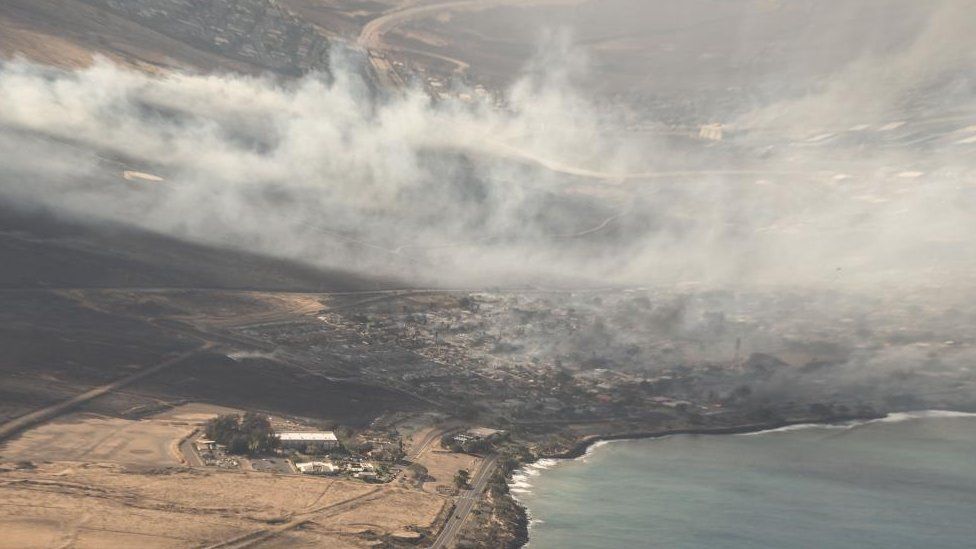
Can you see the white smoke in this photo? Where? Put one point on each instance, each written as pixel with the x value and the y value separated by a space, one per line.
pixel 547 185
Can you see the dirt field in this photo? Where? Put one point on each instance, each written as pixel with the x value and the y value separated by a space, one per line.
pixel 211 308
pixel 441 464
pixel 195 412
pixel 95 438
pixel 87 437
pixel 97 481
pixel 85 505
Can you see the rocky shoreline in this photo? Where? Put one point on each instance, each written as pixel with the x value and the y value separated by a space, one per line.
pixel 584 444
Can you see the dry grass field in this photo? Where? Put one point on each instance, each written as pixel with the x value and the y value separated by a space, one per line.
pixel 102 505
pixel 86 480
pixel 442 465
pixel 87 437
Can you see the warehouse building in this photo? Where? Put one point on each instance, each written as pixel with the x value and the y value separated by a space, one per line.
pixel 300 440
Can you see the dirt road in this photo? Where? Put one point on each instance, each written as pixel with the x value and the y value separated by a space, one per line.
pixel 258 536
pixel 189 452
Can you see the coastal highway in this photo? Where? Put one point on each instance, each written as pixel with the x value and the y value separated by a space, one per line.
pixel 465 503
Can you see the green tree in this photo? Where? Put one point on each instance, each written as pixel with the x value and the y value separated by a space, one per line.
pixel 398 453
pixel 462 478
pixel 248 434
pixel 418 471
pixel 449 442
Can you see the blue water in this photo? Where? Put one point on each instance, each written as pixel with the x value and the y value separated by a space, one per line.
pixel 907 481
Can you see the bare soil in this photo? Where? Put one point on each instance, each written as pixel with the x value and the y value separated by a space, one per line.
pixel 87 505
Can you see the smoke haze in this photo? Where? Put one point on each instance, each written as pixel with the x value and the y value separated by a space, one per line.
pixel 866 181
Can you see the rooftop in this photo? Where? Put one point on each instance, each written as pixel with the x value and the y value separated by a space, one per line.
pixel 308 436
pixel 483 432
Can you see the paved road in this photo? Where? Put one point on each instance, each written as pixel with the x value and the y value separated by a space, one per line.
pixel 464 504
pixel 371 37
pixel 421 449
pixel 47 413
pixel 189 452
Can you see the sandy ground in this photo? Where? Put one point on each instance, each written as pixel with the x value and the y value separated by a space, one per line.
pixel 97 481
pixel 443 465
pixel 86 505
pixel 267 308
pixel 40 47
pixel 195 412
pixel 94 438
pixel 86 437
pixel 211 308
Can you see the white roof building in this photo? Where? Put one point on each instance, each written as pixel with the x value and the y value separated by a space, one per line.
pixel 299 440
pixel 316 468
pixel 307 436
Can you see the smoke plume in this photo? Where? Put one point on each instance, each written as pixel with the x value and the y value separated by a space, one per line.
pixel 866 181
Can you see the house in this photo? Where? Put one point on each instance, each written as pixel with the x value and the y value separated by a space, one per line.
pixel 300 440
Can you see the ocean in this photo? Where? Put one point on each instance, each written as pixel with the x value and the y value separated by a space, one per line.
pixel 908 480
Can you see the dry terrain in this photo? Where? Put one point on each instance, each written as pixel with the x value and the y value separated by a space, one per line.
pixel 93 481
pixel 442 465
pixel 105 505
pixel 101 439
pixel 241 35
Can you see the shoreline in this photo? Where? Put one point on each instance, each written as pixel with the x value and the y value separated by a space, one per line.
pixel 583 446
pixel 580 449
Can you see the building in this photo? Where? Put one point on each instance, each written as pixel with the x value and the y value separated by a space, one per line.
pixel 300 440
pixel 204 445
pixel 317 468
pixel 711 132
pixel 477 433
pixel 483 432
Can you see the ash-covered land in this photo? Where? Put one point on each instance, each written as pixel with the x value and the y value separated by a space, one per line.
pixel 325 272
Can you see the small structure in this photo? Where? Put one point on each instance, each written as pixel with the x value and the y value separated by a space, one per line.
pixel 317 468
pixel 130 175
pixel 300 440
pixel 363 471
pixel 483 432
pixel 204 445
pixel 711 132
pixel 477 433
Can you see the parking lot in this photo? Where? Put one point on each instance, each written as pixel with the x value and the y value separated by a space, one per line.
pixel 272 465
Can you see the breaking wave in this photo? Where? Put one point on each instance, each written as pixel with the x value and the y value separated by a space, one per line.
pixel 895 417
pixel 520 483
pixel 924 414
